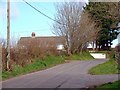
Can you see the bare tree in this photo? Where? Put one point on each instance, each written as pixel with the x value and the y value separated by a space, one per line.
pixel 75 25
pixel 68 14
pixel 86 33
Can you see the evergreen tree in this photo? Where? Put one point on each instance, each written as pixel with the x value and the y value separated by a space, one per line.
pixel 107 16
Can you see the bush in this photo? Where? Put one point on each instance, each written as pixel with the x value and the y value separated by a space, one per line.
pixel 26 55
pixel 111 54
pixel 38 64
pixel 20 56
pixel 4 58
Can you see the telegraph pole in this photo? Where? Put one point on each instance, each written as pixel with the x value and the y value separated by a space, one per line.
pixel 8 35
pixel 119 11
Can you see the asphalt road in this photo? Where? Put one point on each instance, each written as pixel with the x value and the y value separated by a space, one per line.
pixel 68 75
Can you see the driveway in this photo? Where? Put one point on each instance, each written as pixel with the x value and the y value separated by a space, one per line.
pixel 68 75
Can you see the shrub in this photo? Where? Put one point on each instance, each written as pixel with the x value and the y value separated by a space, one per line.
pixel 25 55
pixel 4 58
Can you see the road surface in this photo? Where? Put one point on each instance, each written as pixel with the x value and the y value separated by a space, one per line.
pixel 68 75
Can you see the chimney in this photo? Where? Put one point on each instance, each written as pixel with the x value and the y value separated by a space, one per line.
pixel 33 34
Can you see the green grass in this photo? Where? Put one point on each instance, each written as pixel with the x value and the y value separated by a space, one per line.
pixel 114 85
pixel 109 67
pixel 37 65
pixel 100 52
pixel 44 64
pixel 82 56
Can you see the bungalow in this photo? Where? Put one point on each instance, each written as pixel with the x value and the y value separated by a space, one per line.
pixel 47 41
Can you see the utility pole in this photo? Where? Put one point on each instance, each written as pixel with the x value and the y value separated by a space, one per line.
pixel 119 11
pixel 8 35
pixel 0 61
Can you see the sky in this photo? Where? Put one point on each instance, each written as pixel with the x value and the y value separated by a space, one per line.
pixel 25 20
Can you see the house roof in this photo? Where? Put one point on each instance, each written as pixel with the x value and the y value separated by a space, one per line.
pixel 56 40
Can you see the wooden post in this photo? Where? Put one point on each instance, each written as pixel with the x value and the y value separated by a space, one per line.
pixel 0 62
pixel 8 34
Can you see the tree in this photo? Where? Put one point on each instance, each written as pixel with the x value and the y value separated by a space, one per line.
pixel 107 16
pixel 75 26
pixel 86 33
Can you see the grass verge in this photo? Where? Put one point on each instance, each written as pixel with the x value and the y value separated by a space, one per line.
pixel 109 67
pixel 47 62
pixel 113 85
pixel 37 65
pixel 82 56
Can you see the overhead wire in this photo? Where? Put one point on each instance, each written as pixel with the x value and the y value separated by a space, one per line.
pixel 41 12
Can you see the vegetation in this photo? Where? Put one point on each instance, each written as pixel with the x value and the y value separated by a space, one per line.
pixel 114 85
pixel 109 67
pixel 71 25
pixel 81 56
pixel 40 64
pixel 26 55
pixel 107 17
pixel 117 55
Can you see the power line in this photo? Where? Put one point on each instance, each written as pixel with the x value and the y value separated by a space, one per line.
pixel 41 12
pixel 51 12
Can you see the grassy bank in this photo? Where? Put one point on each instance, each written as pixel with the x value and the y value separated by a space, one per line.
pixel 111 86
pixel 37 65
pixel 82 56
pixel 47 62
pixel 109 67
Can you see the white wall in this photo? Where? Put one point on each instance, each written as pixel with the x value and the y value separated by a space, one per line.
pixel 98 55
